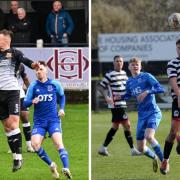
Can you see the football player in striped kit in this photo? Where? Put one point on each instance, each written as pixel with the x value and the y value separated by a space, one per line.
pixel 173 72
pixel 10 60
pixel 113 84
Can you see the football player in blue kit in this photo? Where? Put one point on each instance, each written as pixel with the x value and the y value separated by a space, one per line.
pixel 44 93
pixel 143 86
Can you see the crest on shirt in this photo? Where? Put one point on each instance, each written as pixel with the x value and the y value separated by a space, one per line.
pixel 176 113
pixel 49 88
pixel 140 80
pixel 8 55
pixel 125 116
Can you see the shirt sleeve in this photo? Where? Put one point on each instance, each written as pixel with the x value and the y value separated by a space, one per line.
pixel 22 71
pixel 156 86
pixel 171 70
pixel 60 94
pixel 22 59
pixel 29 96
pixel 105 81
pixel 127 95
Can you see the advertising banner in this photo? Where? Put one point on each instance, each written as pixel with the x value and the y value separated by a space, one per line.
pixel 68 65
pixel 150 46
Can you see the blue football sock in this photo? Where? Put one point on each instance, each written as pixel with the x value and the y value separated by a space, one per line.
pixel 64 157
pixel 43 155
pixel 158 151
pixel 149 153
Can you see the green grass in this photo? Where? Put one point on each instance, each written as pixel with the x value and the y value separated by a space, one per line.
pixel 75 137
pixel 120 165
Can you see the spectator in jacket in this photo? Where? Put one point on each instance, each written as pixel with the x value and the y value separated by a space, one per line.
pixel 59 25
pixel 21 28
pixel 12 15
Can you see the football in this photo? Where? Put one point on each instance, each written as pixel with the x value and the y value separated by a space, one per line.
pixel 174 20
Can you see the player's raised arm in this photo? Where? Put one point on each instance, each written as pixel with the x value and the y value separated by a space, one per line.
pixel 28 62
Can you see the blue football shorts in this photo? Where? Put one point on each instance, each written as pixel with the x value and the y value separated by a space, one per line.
pixel 152 121
pixel 51 128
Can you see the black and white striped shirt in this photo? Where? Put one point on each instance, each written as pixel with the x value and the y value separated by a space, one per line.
pixel 10 60
pixel 115 82
pixel 173 70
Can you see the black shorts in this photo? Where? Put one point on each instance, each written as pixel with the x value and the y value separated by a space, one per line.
pixel 119 115
pixel 175 110
pixel 22 108
pixel 9 103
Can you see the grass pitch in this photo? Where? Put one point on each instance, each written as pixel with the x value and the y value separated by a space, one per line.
pixel 120 165
pixel 75 137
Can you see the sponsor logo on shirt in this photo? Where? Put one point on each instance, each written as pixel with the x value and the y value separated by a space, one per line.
pixel 45 97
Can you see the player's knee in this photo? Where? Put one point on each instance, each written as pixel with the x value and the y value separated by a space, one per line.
pixel 115 126
pixel 24 118
pixel 149 138
pixel 36 146
pixel 58 145
pixel 127 127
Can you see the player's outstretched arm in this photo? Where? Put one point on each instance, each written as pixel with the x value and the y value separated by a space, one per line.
pixel 156 89
pixel 26 61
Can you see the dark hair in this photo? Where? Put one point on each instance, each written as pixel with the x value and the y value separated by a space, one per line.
pixel 42 63
pixel 6 32
pixel 117 56
pixel 178 42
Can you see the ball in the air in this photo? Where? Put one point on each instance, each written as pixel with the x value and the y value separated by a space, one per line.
pixel 174 20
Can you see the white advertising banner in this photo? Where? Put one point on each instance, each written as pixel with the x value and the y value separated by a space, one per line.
pixel 68 65
pixel 150 46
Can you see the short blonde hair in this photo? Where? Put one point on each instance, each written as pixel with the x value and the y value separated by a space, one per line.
pixel 135 60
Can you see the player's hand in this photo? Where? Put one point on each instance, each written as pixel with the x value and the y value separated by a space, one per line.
pixel 117 97
pixel 61 113
pixel 35 65
pixel 65 35
pixel 141 97
pixel 35 100
pixel 109 100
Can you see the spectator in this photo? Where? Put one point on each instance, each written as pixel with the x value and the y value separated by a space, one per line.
pixel 12 15
pixel 21 28
pixel 59 24
pixel 1 19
